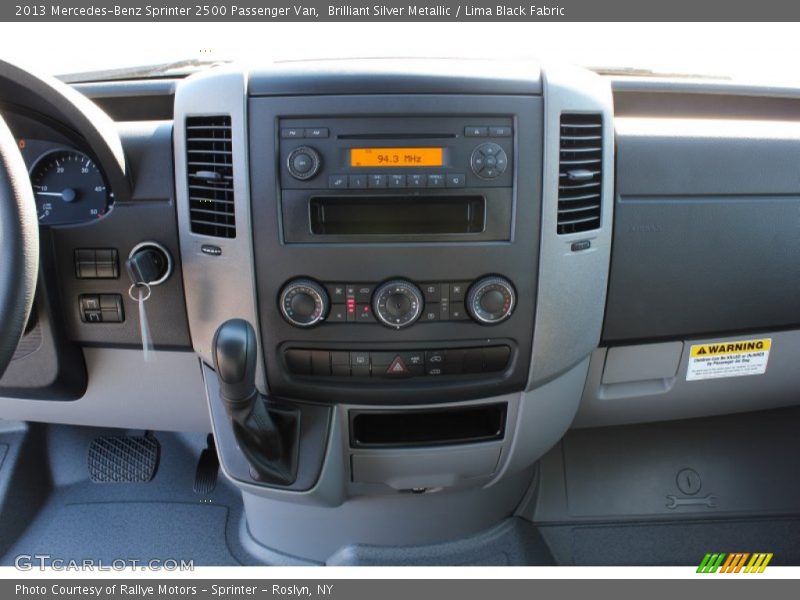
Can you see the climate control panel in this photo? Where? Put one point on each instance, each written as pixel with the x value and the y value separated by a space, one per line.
pixel 397 303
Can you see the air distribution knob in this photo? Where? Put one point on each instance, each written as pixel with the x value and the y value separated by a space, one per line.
pixel 491 300
pixel 304 303
pixel 303 162
pixel 398 303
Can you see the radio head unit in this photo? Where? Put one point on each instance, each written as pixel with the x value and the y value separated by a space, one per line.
pixel 396 179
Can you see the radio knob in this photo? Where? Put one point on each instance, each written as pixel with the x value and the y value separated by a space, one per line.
pixel 398 303
pixel 304 303
pixel 303 162
pixel 491 300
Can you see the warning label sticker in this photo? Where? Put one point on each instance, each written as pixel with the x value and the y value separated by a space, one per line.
pixel 728 359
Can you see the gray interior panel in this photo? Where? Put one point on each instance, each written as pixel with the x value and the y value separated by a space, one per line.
pixel 166 394
pixel 572 285
pixel 673 397
pixel 734 465
pixel 317 532
pixel 705 238
pixel 402 76
pixel 626 364
pixel 423 469
pixel 209 279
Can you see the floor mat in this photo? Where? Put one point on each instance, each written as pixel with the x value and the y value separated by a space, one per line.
pixel 75 518
pixel 140 531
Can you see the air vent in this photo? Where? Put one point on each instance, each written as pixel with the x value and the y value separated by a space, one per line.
pixel 209 163
pixel 580 173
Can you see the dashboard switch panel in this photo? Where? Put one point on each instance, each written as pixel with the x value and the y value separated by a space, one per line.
pixel 101 308
pixel 402 364
pixel 96 263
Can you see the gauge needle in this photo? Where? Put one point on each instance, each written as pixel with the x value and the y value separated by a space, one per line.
pixel 68 195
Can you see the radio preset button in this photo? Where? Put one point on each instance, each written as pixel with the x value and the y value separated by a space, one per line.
pixel 436 181
pixel 288 133
pixel 376 181
pixel 456 180
pixel 358 182
pixel 416 181
pixel 499 131
pixel 397 181
pixel 317 132
pixel 474 131
pixel 337 181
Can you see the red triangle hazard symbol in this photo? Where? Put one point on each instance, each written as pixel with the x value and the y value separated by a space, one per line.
pixel 398 367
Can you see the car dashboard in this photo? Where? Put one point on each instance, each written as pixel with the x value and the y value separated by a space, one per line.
pixel 446 265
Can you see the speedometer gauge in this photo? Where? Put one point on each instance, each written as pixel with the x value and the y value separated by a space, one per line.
pixel 68 188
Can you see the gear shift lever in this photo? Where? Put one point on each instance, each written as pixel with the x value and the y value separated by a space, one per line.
pixel 268 437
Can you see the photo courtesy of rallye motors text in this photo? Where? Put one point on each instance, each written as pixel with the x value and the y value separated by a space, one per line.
pixel 145 590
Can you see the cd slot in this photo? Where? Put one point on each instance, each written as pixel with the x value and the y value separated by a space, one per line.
pixel 398 215
pixel 396 136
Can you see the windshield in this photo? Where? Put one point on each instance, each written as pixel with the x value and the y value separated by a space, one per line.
pixel 758 53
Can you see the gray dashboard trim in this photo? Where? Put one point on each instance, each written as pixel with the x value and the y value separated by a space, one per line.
pixel 337 512
pixel 400 76
pixel 639 400
pixel 572 285
pixel 702 86
pixel 165 394
pixel 221 287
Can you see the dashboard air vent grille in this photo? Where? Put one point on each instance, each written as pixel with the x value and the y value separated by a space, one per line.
pixel 580 172
pixel 209 163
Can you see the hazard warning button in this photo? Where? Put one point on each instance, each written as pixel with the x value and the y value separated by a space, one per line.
pixel 398 368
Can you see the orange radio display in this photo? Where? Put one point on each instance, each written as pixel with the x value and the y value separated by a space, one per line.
pixel 396 157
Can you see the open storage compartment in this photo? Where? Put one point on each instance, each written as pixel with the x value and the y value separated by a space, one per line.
pixel 393 215
pixel 427 427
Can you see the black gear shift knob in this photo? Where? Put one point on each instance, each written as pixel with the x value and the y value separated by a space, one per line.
pixel 266 435
pixel 234 353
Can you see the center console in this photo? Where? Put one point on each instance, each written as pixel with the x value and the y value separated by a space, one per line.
pixel 396 244
pixel 421 249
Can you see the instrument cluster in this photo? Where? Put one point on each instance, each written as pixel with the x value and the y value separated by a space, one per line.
pixel 68 185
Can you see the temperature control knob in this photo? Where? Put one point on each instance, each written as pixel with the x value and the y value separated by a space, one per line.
pixel 398 303
pixel 304 303
pixel 303 162
pixel 491 300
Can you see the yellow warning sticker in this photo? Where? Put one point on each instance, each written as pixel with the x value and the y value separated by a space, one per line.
pixel 728 359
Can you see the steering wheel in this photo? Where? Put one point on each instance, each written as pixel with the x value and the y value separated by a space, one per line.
pixel 19 245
